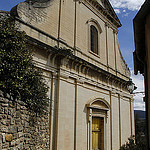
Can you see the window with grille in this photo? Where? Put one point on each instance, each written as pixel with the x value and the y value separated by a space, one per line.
pixel 94 39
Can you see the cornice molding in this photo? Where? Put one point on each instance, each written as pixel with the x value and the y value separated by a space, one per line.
pixel 39 3
pixel 76 63
pixel 84 81
pixel 84 78
pixel 108 13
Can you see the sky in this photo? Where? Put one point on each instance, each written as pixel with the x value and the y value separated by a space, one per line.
pixel 126 11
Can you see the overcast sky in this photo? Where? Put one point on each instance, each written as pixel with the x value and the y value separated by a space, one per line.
pixel 126 11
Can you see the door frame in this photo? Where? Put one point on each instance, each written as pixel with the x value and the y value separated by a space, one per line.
pixel 97 110
pixel 104 124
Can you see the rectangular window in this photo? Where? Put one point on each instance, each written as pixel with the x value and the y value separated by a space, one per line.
pixel 94 39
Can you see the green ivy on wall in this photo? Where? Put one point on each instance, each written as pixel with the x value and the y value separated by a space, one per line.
pixel 18 76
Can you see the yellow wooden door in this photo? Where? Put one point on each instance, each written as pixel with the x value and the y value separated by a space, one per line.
pixel 97 133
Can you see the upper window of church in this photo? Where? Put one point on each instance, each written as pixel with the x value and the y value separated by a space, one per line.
pixel 94 39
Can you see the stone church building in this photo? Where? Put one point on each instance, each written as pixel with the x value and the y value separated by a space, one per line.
pixel 76 46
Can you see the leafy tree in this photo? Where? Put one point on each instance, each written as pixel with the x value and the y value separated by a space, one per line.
pixel 18 75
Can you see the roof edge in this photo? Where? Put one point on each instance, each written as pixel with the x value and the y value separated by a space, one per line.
pixel 139 29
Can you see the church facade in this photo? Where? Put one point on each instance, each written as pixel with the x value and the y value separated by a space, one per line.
pixel 76 45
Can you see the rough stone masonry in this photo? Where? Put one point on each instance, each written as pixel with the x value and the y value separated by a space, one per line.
pixel 21 128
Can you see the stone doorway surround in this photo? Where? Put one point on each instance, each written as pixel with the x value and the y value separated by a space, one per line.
pixel 97 108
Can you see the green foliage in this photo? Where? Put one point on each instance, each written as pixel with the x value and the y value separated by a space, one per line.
pixel 18 76
pixel 138 142
pixel 130 145
pixel 135 143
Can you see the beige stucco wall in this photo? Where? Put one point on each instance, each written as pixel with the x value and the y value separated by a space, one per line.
pixel 66 115
pixel 125 123
pixel 115 124
pixel 73 89
pixel 49 21
pixel 69 21
pixel 121 126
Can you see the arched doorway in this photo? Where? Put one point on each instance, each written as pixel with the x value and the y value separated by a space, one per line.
pixel 97 123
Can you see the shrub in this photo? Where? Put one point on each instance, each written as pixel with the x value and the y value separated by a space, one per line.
pixel 18 75
pixel 135 143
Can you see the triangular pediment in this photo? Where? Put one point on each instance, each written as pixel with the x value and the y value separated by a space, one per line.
pixel 107 10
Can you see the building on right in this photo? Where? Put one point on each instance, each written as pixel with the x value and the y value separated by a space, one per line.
pixel 141 54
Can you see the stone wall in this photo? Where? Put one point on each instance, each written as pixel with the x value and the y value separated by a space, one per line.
pixel 21 128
